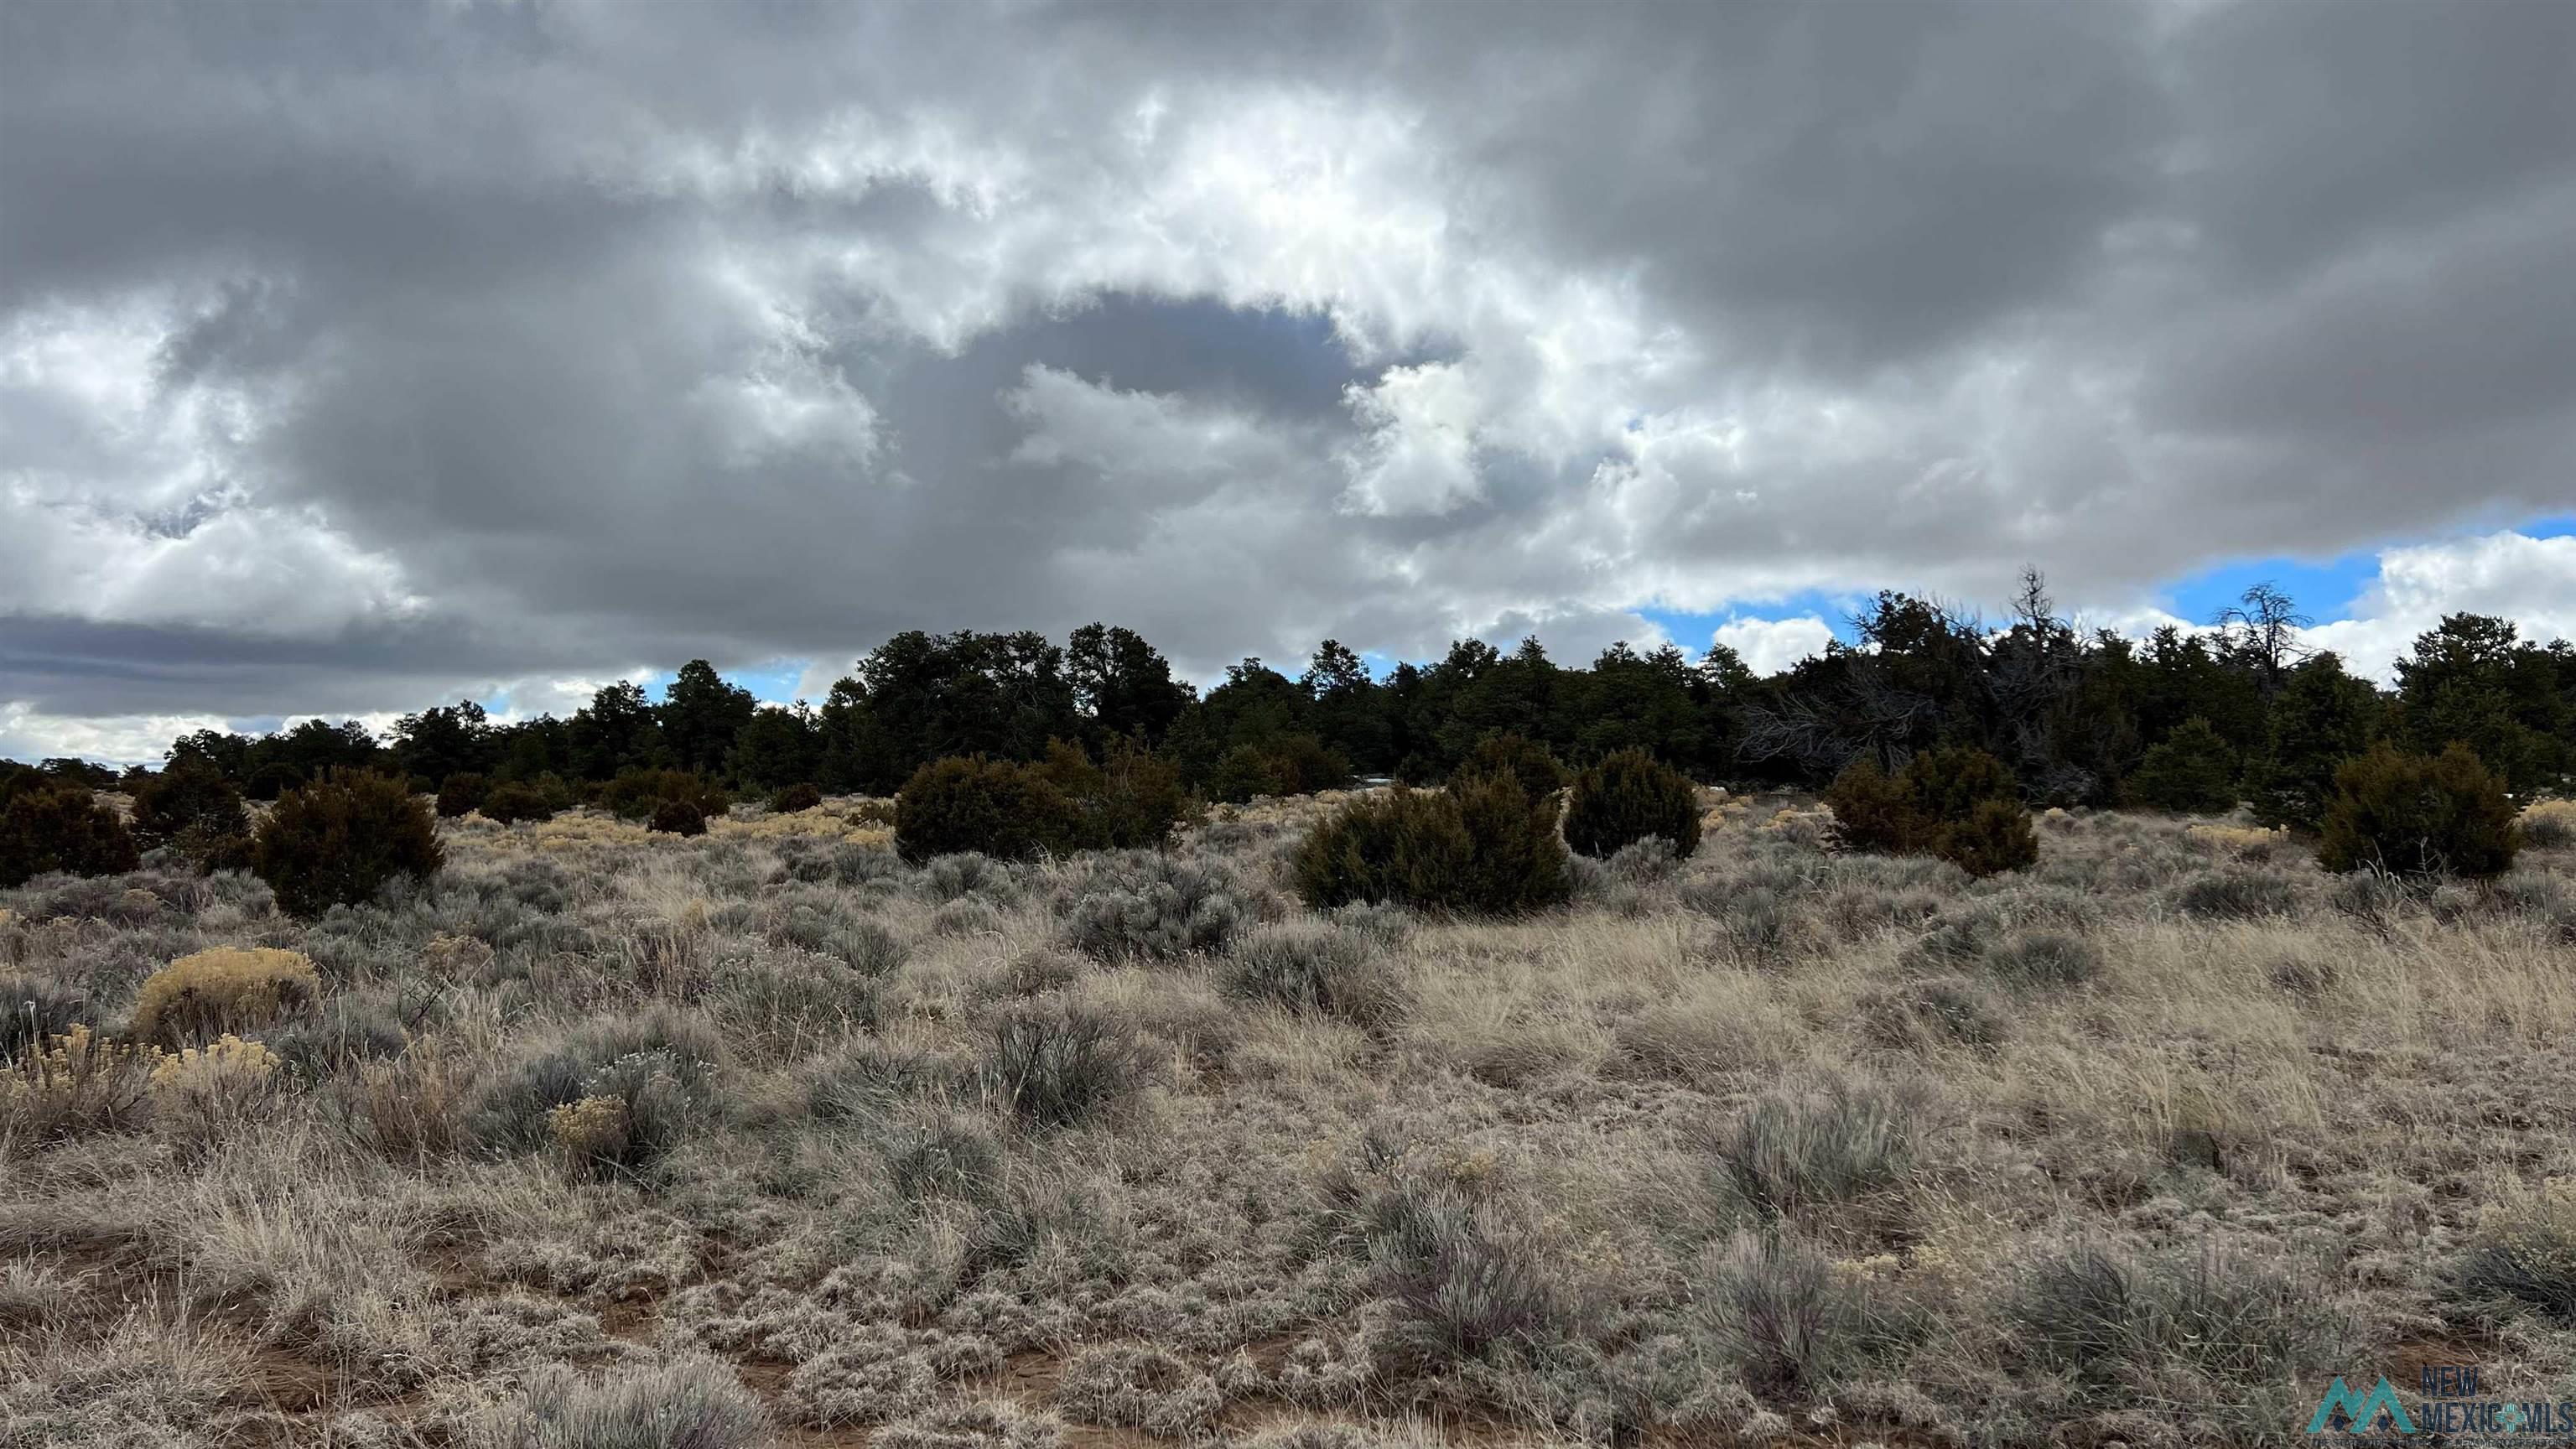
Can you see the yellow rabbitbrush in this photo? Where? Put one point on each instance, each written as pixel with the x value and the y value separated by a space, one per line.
pixel 203 1095
pixel 224 989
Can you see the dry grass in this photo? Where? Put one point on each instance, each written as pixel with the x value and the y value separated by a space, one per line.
pixel 765 1127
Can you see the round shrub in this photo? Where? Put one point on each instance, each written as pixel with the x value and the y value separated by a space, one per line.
pixel 227 989
pixel 795 798
pixel 971 803
pixel 1481 846
pixel 191 797
pixel 677 817
pixel 2417 815
pixel 512 801
pixel 1949 784
pixel 1520 757
pixel 1627 797
pixel 335 842
pixel 1996 837
pixel 1874 811
pixel 64 829
pixel 1130 800
pixel 461 792
pixel 1958 804
pixel 2191 770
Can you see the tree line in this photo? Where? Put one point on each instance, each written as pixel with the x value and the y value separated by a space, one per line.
pixel 2185 719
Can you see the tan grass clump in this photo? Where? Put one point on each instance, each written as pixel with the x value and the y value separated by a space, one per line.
pixel 2546 824
pixel 819 823
pixel 411 1108
pixel 2244 842
pixel 222 990
pixel 72 1085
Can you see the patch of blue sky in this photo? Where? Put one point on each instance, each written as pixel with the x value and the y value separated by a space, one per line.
pixel 2323 588
pixel 1693 631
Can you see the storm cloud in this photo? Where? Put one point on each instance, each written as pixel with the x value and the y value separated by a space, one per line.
pixel 356 356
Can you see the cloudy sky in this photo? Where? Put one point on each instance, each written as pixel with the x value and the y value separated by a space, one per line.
pixel 359 355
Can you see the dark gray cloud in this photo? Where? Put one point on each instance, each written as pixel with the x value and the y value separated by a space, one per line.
pixel 355 355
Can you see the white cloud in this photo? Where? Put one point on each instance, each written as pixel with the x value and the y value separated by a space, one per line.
pixel 1418 452
pixel 1768 646
pixel 2531 581
pixel 119 740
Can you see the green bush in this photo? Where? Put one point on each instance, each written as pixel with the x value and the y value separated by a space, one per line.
pixel 636 794
pixel 1959 804
pixel 1873 811
pixel 795 798
pixel 460 793
pixel 2414 815
pixel 1626 798
pixel 1996 837
pixel 1936 1010
pixel 512 801
pixel 336 841
pixel 1949 784
pixel 1129 801
pixel 64 829
pixel 992 807
pixel 677 817
pixel 2191 770
pixel 1481 846
pixel 190 798
pixel 1520 757
pixel 944 1156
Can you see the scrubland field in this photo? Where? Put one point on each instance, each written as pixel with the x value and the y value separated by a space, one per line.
pixel 608 1140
